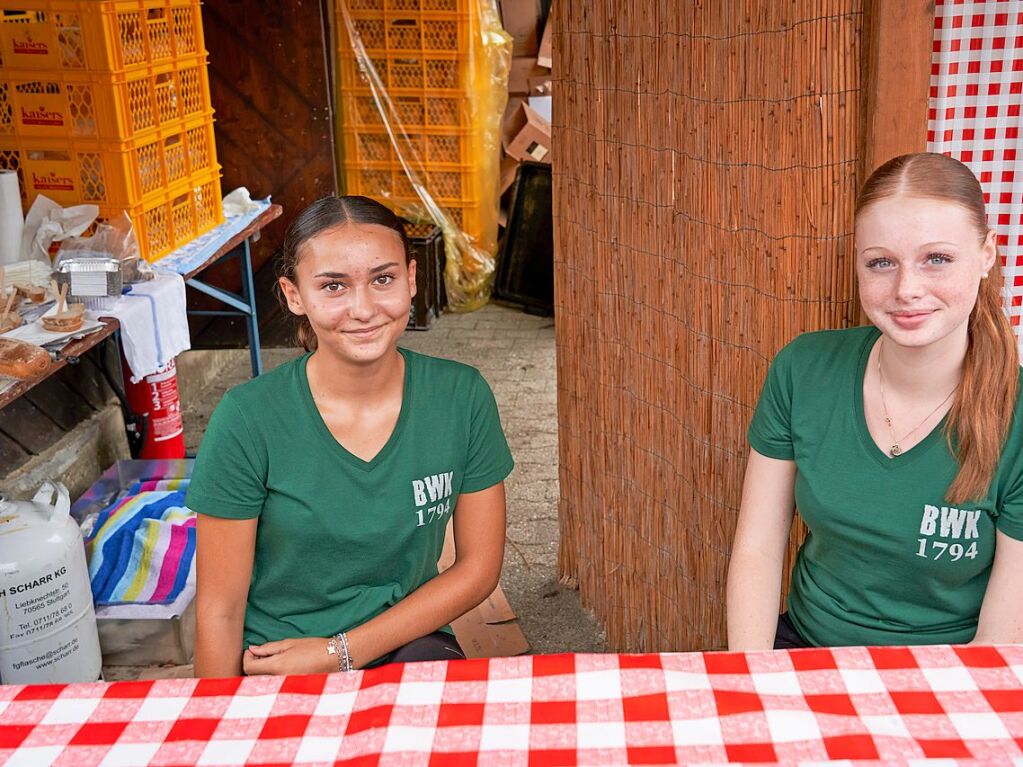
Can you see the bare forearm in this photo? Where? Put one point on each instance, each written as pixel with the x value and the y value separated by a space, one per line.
pixel 753 594
pixel 758 552
pixel 433 605
pixel 224 553
pixel 218 645
pixel 1001 613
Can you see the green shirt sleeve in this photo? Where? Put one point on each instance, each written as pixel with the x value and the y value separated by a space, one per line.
pixel 229 478
pixel 489 460
pixel 770 430
pixel 1010 514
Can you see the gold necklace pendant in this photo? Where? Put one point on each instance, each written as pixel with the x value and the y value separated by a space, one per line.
pixel 895 451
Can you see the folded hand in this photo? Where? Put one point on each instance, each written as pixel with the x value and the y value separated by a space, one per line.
pixel 289 656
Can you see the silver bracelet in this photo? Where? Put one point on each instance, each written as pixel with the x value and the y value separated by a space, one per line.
pixel 334 649
pixel 346 662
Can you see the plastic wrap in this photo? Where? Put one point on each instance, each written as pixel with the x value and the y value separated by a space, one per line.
pixel 422 93
pixel 115 239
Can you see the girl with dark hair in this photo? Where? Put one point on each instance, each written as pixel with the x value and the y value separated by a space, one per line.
pixel 323 488
pixel 901 443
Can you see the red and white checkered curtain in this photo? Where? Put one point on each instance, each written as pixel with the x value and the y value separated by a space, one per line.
pixel 974 115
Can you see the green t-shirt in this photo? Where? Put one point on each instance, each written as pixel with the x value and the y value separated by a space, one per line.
pixel 887 561
pixel 339 539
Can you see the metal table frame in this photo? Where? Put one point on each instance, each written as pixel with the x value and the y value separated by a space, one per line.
pixel 240 304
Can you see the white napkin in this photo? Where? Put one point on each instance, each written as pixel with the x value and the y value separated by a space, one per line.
pixel 35 333
pixel 238 203
pixel 154 326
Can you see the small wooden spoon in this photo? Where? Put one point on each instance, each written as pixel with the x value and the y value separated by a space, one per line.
pixel 8 320
pixel 64 319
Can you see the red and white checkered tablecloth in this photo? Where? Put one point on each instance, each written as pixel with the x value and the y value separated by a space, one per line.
pixel 893 705
pixel 974 116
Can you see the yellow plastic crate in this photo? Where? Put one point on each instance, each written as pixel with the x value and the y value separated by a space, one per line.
pixel 72 172
pixel 101 106
pixel 419 112
pixel 450 6
pixel 405 32
pixel 458 185
pixel 98 35
pixel 443 148
pixel 469 217
pixel 441 74
pixel 174 217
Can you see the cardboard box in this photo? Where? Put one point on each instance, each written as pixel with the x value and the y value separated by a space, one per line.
pixel 521 20
pixel 540 86
pixel 488 630
pixel 509 170
pixel 522 69
pixel 514 102
pixel 543 56
pixel 527 136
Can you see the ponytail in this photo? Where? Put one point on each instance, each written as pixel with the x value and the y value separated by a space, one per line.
pixel 304 335
pixel 981 413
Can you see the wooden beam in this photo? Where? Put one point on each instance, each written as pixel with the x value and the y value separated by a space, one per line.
pixel 896 72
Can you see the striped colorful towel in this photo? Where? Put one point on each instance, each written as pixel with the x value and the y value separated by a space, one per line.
pixel 142 549
pixel 181 483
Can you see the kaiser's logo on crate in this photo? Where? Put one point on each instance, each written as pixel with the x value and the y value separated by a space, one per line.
pixel 26 46
pixel 41 116
pixel 53 182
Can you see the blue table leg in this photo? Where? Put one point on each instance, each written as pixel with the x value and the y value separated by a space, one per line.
pixel 252 321
pixel 243 305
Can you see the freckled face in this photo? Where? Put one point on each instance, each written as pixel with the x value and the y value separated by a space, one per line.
pixel 920 262
pixel 353 285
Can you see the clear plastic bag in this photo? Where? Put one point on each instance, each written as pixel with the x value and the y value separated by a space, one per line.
pixel 111 239
pixel 463 91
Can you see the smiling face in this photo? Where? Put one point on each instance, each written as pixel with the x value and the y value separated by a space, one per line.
pixel 353 285
pixel 919 262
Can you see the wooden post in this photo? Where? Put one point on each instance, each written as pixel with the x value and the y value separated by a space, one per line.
pixel 895 77
pixel 896 71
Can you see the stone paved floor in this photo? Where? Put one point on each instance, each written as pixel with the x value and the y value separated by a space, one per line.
pixel 515 352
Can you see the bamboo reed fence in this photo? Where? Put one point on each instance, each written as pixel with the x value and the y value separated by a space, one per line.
pixel 705 167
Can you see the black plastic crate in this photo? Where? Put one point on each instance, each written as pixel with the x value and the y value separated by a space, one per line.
pixel 525 267
pixel 429 301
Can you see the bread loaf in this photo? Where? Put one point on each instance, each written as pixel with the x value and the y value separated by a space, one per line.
pixel 34 293
pixel 64 321
pixel 21 360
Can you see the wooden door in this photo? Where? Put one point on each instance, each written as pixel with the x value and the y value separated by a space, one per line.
pixel 270 87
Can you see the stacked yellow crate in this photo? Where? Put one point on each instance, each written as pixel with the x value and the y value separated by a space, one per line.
pixel 428 56
pixel 107 102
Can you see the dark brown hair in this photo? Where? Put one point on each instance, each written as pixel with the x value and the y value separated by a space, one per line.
pixel 981 414
pixel 328 213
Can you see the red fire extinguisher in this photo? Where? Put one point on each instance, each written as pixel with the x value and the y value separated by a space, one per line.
pixel 156 406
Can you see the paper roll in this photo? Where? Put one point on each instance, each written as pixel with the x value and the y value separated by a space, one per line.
pixel 11 219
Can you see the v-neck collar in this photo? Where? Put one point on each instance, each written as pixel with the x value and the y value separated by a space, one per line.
pixel 336 447
pixel 914 453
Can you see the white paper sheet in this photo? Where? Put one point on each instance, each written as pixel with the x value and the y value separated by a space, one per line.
pixel 34 333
